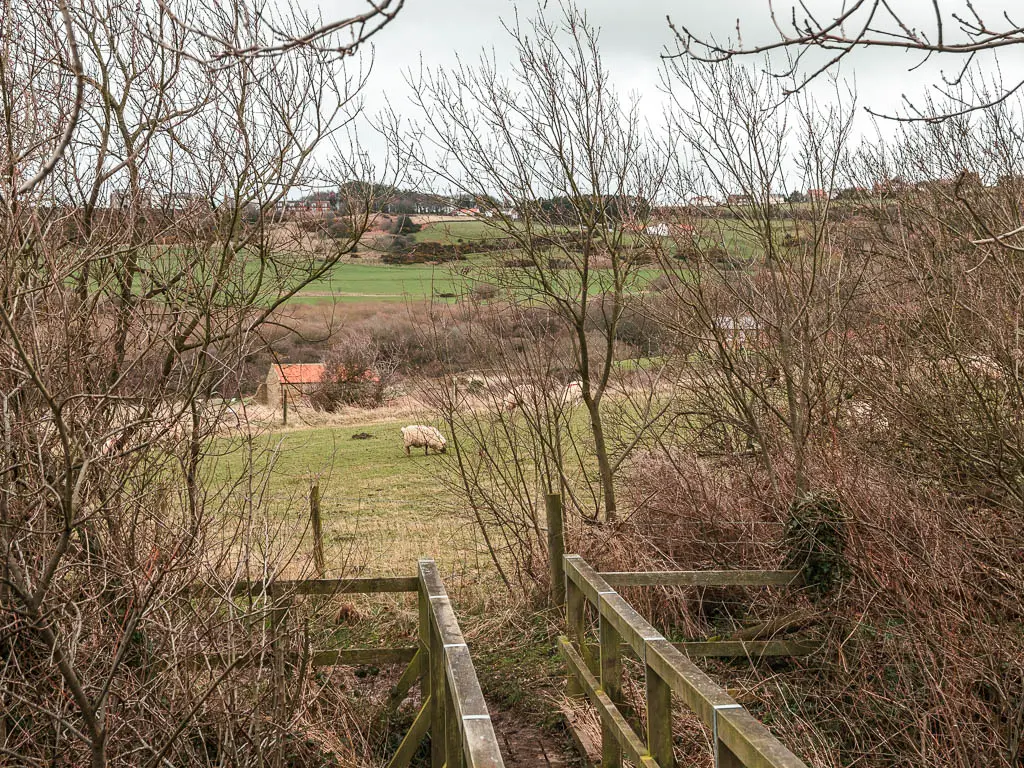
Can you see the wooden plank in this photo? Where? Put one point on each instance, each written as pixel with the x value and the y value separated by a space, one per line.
pixel 366 585
pixel 320 658
pixel 626 737
pixel 466 693
pixel 480 745
pixel 411 742
pixel 589 752
pixel 356 656
pixel 702 578
pixel 703 696
pixel 754 649
pixel 612 607
pixel 735 648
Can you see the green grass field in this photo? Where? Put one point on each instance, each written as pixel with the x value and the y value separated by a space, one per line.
pixel 456 231
pixel 381 282
pixel 371 282
pixel 381 509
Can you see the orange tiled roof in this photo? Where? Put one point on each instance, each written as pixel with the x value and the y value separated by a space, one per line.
pixel 300 373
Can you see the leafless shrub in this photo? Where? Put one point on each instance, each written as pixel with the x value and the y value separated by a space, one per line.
pixel 119 328
pixel 357 371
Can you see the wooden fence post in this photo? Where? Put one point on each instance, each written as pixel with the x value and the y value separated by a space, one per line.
pixel 611 684
pixel 284 406
pixel 574 618
pixel 439 697
pixel 318 530
pixel 453 733
pixel 659 719
pixel 724 757
pixel 556 548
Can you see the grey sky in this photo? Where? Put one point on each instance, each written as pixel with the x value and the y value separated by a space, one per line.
pixel 635 32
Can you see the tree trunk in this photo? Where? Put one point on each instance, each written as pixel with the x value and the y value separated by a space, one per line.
pixel 604 464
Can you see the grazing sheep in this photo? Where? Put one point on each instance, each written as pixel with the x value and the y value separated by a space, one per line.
pixel 420 436
pixel 572 395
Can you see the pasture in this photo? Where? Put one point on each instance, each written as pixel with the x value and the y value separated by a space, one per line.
pixel 448 232
pixel 349 282
pixel 381 509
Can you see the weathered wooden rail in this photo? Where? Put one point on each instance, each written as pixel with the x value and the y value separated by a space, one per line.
pixel 453 712
pixel 739 740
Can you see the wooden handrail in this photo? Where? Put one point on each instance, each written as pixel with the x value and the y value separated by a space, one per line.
pixel 461 730
pixel 365 585
pixel 703 578
pixel 741 740
pixel 453 712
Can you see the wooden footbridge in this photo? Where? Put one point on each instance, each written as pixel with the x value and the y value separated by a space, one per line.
pixel 454 715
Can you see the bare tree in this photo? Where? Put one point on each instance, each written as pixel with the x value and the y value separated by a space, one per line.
pixel 563 169
pixel 957 30
pixel 762 289
pixel 121 329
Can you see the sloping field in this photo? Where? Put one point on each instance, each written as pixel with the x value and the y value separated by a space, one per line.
pixel 381 509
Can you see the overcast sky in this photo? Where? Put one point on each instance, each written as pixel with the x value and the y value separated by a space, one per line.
pixel 633 35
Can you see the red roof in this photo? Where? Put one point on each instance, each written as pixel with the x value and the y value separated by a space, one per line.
pixel 300 373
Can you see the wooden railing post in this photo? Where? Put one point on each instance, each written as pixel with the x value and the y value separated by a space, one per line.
pixel 659 719
pixel 574 623
pixel 439 690
pixel 576 604
pixel 453 733
pixel 556 548
pixel 424 632
pixel 611 684
pixel 724 757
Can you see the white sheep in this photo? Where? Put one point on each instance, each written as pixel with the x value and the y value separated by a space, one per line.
pixel 572 395
pixel 420 436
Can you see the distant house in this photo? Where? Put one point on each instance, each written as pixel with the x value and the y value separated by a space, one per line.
pixel 818 195
pixel 739 200
pixel 179 202
pixel 298 381
pixel 658 229
pixel 703 201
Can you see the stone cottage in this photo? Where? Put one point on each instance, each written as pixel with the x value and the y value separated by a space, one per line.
pixel 299 380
